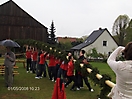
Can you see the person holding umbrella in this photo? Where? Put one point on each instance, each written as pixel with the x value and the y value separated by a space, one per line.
pixel 9 62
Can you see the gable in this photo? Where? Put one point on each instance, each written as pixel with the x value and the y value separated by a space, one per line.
pixel 15 23
pixel 12 14
pixel 11 8
pixel 104 37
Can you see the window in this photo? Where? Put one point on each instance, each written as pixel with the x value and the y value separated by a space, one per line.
pixel 104 43
pixel 86 41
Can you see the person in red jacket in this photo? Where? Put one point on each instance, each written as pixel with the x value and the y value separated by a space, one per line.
pixel 51 68
pixel 63 69
pixel 59 90
pixel 42 67
pixel 70 74
pixel 28 59
pixel 34 59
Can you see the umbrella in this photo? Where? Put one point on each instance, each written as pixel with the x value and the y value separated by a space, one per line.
pixel 9 43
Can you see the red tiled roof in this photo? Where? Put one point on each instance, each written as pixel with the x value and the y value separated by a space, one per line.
pixel 66 39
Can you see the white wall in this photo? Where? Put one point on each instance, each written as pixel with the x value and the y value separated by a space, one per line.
pixel 76 53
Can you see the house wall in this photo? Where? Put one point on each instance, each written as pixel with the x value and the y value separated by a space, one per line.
pixel 98 44
pixel 76 53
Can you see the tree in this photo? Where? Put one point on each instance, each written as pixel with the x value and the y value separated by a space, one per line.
pixel 119 28
pixel 74 43
pixel 84 37
pixel 129 33
pixel 52 39
pixel 94 53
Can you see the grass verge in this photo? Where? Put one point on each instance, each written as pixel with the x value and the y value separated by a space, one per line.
pixel 43 88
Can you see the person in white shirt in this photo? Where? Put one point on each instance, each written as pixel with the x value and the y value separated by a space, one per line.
pixel 123 71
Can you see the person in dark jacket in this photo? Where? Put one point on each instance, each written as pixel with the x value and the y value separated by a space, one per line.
pixel 84 77
pixel 77 74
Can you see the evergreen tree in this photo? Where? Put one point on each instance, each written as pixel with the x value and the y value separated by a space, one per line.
pixel 52 38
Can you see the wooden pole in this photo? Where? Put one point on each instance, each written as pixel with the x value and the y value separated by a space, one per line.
pixel 109 83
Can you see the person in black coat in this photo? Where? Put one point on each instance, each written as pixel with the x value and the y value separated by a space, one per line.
pixel 77 74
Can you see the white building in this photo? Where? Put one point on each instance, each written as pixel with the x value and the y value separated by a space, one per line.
pixel 100 39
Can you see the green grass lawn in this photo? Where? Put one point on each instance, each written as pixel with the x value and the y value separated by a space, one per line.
pixel 44 87
pixel 104 69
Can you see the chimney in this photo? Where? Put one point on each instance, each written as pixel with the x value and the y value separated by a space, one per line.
pixel 100 28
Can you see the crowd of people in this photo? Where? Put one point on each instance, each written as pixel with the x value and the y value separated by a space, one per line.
pixel 45 64
pixel 58 68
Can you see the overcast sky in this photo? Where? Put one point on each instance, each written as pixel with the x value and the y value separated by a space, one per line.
pixel 76 18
